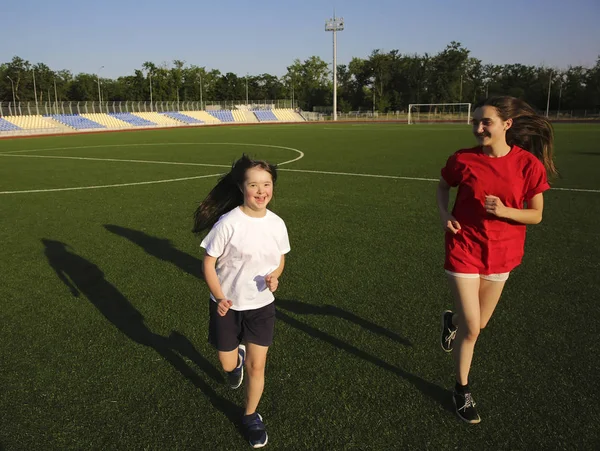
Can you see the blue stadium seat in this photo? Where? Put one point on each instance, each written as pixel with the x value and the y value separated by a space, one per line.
pixel 76 121
pixel 182 117
pixel 265 115
pixel 6 126
pixel 132 119
pixel 222 115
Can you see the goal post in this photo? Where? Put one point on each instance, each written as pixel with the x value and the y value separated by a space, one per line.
pixel 439 112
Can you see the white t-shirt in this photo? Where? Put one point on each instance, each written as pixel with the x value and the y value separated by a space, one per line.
pixel 247 249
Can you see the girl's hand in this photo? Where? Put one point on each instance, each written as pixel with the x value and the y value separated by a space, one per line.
pixel 450 224
pixel 494 205
pixel 272 282
pixel 224 306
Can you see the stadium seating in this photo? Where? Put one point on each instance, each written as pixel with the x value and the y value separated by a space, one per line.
pixel 265 115
pixel 249 116
pixel 6 126
pixel 107 120
pixel 63 122
pixel 185 118
pixel 30 122
pixel 76 121
pixel 158 118
pixel 222 115
pixel 238 116
pixel 133 120
pixel 287 115
pixel 202 116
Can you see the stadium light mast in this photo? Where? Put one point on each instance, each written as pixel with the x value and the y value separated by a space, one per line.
pixel 150 77
pixel 549 87
pixel 373 88
pixel 200 82
pixel 13 91
pixel 37 110
pixel 55 97
pixel 336 24
pixel 99 92
pixel 561 80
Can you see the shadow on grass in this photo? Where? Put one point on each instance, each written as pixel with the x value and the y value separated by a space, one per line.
pixel 162 249
pixel 331 310
pixel 435 392
pixel 82 277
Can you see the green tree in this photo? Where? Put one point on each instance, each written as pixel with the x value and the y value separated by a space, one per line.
pixel 312 82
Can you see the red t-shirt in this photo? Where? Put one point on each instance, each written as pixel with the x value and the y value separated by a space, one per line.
pixel 487 244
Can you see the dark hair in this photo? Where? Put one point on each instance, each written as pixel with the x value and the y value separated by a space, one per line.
pixel 228 193
pixel 529 130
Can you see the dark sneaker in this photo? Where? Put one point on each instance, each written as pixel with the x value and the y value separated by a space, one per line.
pixel 448 331
pixel 465 407
pixel 255 430
pixel 236 376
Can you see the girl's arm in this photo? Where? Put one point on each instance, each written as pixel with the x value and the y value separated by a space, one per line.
pixel 210 275
pixel 530 215
pixel 449 222
pixel 272 279
pixel 279 269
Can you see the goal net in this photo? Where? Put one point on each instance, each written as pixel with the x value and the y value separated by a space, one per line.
pixel 423 113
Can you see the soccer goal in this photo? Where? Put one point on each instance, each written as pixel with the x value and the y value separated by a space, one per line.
pixel 423 113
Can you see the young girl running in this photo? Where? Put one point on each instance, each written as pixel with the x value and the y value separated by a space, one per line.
pixel 500 184
pixel 243 261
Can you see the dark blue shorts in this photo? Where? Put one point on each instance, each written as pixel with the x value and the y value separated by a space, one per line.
pixel 257 326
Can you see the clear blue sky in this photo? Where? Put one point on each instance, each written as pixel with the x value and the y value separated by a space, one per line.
pixel 267 35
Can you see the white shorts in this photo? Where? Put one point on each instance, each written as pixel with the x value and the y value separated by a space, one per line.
pixel 502 277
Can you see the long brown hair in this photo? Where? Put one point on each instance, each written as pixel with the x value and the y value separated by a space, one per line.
pixel 228 193
pixel 529 130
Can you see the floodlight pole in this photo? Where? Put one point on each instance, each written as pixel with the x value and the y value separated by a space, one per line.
pixel 561 79
pixel 200 75
pixel 37 110
pixel 373 101
pixel 334 25
pixel 99 92
pixel 548 101
pixel 55 98
pixel 150 77
pixel 373 89
pixel 13 92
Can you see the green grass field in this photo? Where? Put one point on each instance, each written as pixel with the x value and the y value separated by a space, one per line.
pixel 103 317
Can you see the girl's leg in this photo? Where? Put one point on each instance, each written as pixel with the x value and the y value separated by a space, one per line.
pixel 222 334
pixel 468 320
pixel 229 359
pixel 489 295
pixel 256 359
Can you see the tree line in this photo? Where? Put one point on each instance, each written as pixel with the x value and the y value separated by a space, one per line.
pixel 384 81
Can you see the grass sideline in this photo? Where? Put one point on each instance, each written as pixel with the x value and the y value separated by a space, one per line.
pixel 103 316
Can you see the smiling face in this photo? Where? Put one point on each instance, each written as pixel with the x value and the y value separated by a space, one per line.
pixel 489 128
pixel 257 189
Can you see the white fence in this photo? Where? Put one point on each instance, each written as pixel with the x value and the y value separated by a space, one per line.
pixel 49 108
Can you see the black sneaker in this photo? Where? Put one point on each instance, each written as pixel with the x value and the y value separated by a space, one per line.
pixel 465 407
pixel 448 331
pixel 236 376
pixel 255 430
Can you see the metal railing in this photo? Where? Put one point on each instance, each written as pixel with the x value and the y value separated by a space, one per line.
pixel 51 108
